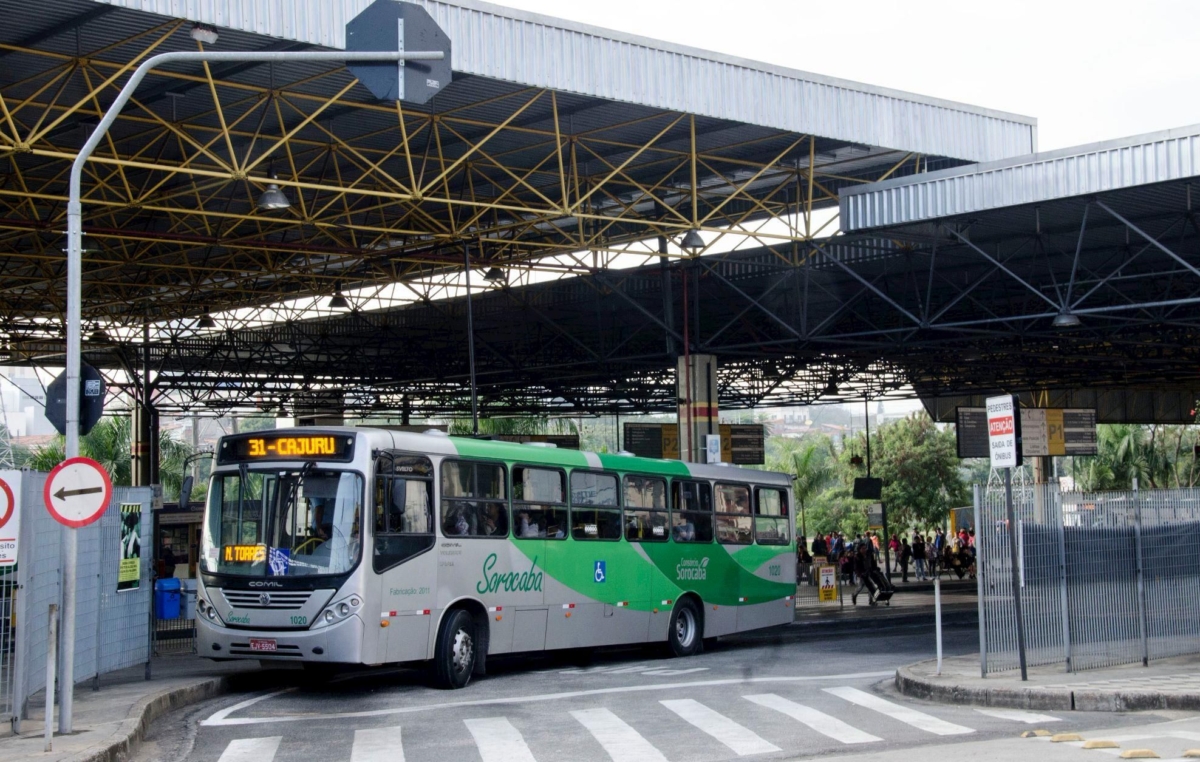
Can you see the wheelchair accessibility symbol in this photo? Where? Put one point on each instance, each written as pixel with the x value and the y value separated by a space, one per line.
pixel 599 574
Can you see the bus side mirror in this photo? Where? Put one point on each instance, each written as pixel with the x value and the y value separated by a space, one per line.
pixel 185 491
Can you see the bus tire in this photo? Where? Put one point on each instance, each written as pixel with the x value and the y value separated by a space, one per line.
pixel 454 657
pixel 685 633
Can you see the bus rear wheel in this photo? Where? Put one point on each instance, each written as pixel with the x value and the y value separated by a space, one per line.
pixel 454 657
pixel 684 637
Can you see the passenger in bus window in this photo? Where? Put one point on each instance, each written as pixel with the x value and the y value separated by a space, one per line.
pixel 492 523
pixel 685 531
pixel 526 527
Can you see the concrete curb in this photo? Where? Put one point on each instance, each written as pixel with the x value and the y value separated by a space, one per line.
pixel 1057 699
pixel 128 737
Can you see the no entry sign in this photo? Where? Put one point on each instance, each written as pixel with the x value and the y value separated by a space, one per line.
pixel 77 492
pixel 10 522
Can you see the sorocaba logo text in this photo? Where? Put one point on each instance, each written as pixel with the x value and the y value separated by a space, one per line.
pixel 524 582
pixel 692 569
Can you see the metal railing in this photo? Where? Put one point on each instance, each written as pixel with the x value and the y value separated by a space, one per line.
pixel 175 622
pixel 1105 578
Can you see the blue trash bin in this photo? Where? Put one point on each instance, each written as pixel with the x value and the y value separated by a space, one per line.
pixel 166 598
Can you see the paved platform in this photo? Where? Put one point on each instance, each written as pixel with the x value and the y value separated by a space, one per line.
pixel 1165 684
pixel 110 723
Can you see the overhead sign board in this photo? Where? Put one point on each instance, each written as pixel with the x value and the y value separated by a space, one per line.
pixel 10 517
pixel 1044 431
pixel 1003 431
pixel 77 491
pixel 387 25
pixel 741 444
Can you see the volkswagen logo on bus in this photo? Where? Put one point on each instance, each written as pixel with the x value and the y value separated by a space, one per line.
pixel 264 600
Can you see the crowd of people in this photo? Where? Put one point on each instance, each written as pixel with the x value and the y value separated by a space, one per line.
pixel 928 555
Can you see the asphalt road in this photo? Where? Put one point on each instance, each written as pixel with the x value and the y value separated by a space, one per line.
pixel 776 695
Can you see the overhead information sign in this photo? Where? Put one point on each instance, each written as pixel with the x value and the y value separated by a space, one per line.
pixel 77 491
pixel 1003 431
pixel 1044 431
pixel 741 444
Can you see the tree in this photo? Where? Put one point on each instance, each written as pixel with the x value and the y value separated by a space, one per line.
pixel 919 466
pixel 814 472
pixel 109 444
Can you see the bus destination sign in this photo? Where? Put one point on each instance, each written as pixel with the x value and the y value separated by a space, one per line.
pixel 259 446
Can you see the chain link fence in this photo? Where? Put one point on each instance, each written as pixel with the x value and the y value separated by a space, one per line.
pixel 1105 578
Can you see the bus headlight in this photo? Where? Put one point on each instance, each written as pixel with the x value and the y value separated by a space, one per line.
pixel 344 609
pixel 329 615
pixel 339 610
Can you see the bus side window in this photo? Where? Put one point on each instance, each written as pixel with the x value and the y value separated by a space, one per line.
pixel 539 503
pixel 403 509
pixel 692 519
pixel 595 510
pixel 734 525
pixel 474 499
pixel 646 515
pixel 771 517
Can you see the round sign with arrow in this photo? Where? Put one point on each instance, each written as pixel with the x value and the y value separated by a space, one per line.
pixel 77 492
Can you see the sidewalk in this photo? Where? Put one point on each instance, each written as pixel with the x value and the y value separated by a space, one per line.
pixel 109 723
pixel 1165 684
pixel 913 604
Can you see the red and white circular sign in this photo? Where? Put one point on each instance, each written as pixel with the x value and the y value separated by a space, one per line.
pixel 8 504
pixel 77 492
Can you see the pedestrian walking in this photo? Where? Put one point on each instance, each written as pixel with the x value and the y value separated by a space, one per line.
pixel 918 554
pixel 904 555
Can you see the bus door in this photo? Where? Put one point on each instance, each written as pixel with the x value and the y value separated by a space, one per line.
pixel 647 529
pixel 539 505
pixel 403 537
pixel 595 566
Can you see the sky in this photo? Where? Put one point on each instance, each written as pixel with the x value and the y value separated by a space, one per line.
pixel 1088 71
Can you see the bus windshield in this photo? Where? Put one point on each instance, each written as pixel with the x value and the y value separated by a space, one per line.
pixel 283 523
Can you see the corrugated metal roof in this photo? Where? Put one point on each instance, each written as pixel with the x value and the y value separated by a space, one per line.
pixel 1081 170
pixel 532 49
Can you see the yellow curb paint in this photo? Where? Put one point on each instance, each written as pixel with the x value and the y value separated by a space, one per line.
pixel 1139 754
pixel 1101 745
pixel 1192 753
pixel 1035 734
pixel 1065 738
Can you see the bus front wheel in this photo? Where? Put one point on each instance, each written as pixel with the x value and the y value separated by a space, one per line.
pixel 684 637
pixel 454 657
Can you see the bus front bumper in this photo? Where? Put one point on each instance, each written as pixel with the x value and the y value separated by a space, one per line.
pixel 340 642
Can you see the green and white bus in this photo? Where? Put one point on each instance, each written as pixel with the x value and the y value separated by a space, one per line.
pixel 368 546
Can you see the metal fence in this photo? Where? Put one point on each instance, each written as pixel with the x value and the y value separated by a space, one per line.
pixel 1105 578
pixel 175 621
pixel 112 628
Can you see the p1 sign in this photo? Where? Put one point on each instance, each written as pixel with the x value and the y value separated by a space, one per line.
pixel 1004 431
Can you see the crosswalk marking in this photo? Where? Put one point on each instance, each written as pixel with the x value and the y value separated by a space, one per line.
pixel 1017 715
pixel 818 721
pixel 251 749
pixel 498 740
pixel 376 745
pixel 741 740
pixel 623 743
pixel 919 720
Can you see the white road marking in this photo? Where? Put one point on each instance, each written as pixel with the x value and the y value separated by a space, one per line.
pixel 671 672
pixel 498 740
pixel 251 749
pixel 219 717
pixel 224 719
pixel 819 721
pixel 741 740
pixel 1017 715
pixel 623 743
pixel 907 715
pixel 377 745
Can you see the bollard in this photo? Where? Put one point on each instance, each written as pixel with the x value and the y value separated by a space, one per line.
pixel 51 662
pixel 937 618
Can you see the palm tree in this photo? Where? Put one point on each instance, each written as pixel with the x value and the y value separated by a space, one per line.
pixel 813 474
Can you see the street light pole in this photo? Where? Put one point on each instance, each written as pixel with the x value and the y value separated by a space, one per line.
pixel 75 286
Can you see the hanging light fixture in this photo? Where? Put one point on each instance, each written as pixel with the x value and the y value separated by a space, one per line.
pixel 273 199
pixel 495 275
pixel 206 320
pixel 692 241
pixel 831 388
pixel 99 334
pixel 337 301
pixel 204 33
pixel 1066 319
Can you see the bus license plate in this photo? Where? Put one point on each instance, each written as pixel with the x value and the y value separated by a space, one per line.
pixel 262 644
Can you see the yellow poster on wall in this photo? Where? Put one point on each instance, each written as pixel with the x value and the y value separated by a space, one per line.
pixel 129 573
